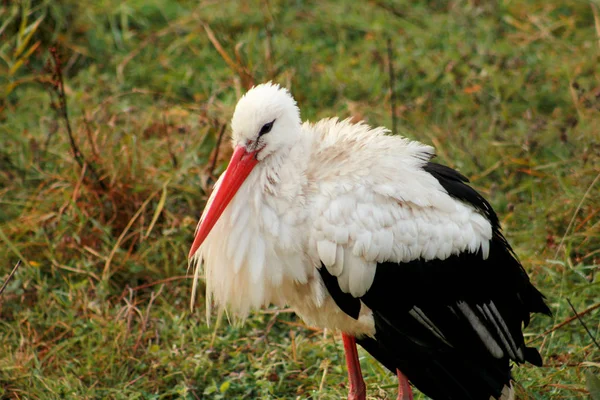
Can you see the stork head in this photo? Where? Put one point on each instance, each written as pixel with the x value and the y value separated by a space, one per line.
pixel 266 121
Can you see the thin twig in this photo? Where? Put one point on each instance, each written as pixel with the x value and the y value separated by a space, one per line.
pixel 583 324
pixel 62 99
pixel 64 111
pixel 10 276
pixel 392 84
pixel 218 146
pixel 135 380
pixel 565 322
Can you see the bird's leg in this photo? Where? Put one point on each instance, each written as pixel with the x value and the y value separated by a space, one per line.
pixel 358 390
pixel 404 389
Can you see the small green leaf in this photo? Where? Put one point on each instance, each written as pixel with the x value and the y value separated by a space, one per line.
pixel 225 385
pixel 15 67
pixel 154 348
pixel 210 390
pixel 26 35
pixel 159 208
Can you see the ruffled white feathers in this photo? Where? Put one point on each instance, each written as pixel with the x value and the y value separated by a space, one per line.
pixel 373 202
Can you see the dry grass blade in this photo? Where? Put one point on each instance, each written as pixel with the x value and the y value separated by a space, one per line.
pixel 14 248
pixel 162 281
pixel 123 234
pixel 10 276
pixel 390 54
pixel 587 192
pixel 325 365
pixel 245 76
pixel 269 39
pixel 596 21
pixel 217 148
pixel 146 317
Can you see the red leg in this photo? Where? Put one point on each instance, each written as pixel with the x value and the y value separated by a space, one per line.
pixel 404 389
pixel 358 390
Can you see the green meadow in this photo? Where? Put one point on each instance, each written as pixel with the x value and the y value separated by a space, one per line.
pixel 114 124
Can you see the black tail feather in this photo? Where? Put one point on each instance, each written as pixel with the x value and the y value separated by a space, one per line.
pixel 440 375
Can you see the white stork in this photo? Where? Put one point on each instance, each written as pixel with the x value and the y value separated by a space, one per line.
pixel 359 232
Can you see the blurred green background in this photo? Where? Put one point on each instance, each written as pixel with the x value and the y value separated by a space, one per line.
pixel 508 92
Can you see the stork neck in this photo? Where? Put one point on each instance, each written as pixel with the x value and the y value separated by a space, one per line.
pixel 282 178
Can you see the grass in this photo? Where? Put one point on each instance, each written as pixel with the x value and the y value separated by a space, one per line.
pixel 508 92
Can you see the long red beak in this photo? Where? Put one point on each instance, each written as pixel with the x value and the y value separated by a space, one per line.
pixel 241 164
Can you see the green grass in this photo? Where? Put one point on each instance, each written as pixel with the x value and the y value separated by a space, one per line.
pixel 508 92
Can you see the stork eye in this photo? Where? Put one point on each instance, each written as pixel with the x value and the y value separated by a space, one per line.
pixel 266 128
